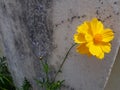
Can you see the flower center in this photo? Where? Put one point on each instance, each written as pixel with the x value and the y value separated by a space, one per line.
pixel 97 38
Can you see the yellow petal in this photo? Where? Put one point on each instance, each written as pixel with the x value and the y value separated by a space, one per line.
pixel 100 27
pixel 94 26
pixel 106 47
pixel 83 28
pixel 82 49
pixel 95 50
pixel 88 37
pixel 108 35
pixel 89 28
pixel 100 56
pixel 79 38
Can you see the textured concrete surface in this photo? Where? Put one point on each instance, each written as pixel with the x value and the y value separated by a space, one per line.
pixel 114 79
pixel 82 72
pixel 25 35
pixel 33 28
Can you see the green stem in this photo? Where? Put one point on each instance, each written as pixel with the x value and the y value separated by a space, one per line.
pixel 63 61
pixel 46 73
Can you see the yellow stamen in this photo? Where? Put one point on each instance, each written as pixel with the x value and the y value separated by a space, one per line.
pixel 97 38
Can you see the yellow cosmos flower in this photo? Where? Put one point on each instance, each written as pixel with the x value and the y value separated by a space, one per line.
pixel 93 39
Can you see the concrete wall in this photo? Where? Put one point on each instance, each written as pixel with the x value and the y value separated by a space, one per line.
pixel 114 79
pixel 25 35
pixel 82 72
pixel 33 28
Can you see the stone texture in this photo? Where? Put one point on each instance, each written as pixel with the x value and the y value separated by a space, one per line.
pixel 26 34
pixel 114 79
pixel 33 28
pixel 82 72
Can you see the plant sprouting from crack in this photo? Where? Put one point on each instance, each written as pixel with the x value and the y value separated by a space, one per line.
pixel 52 84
